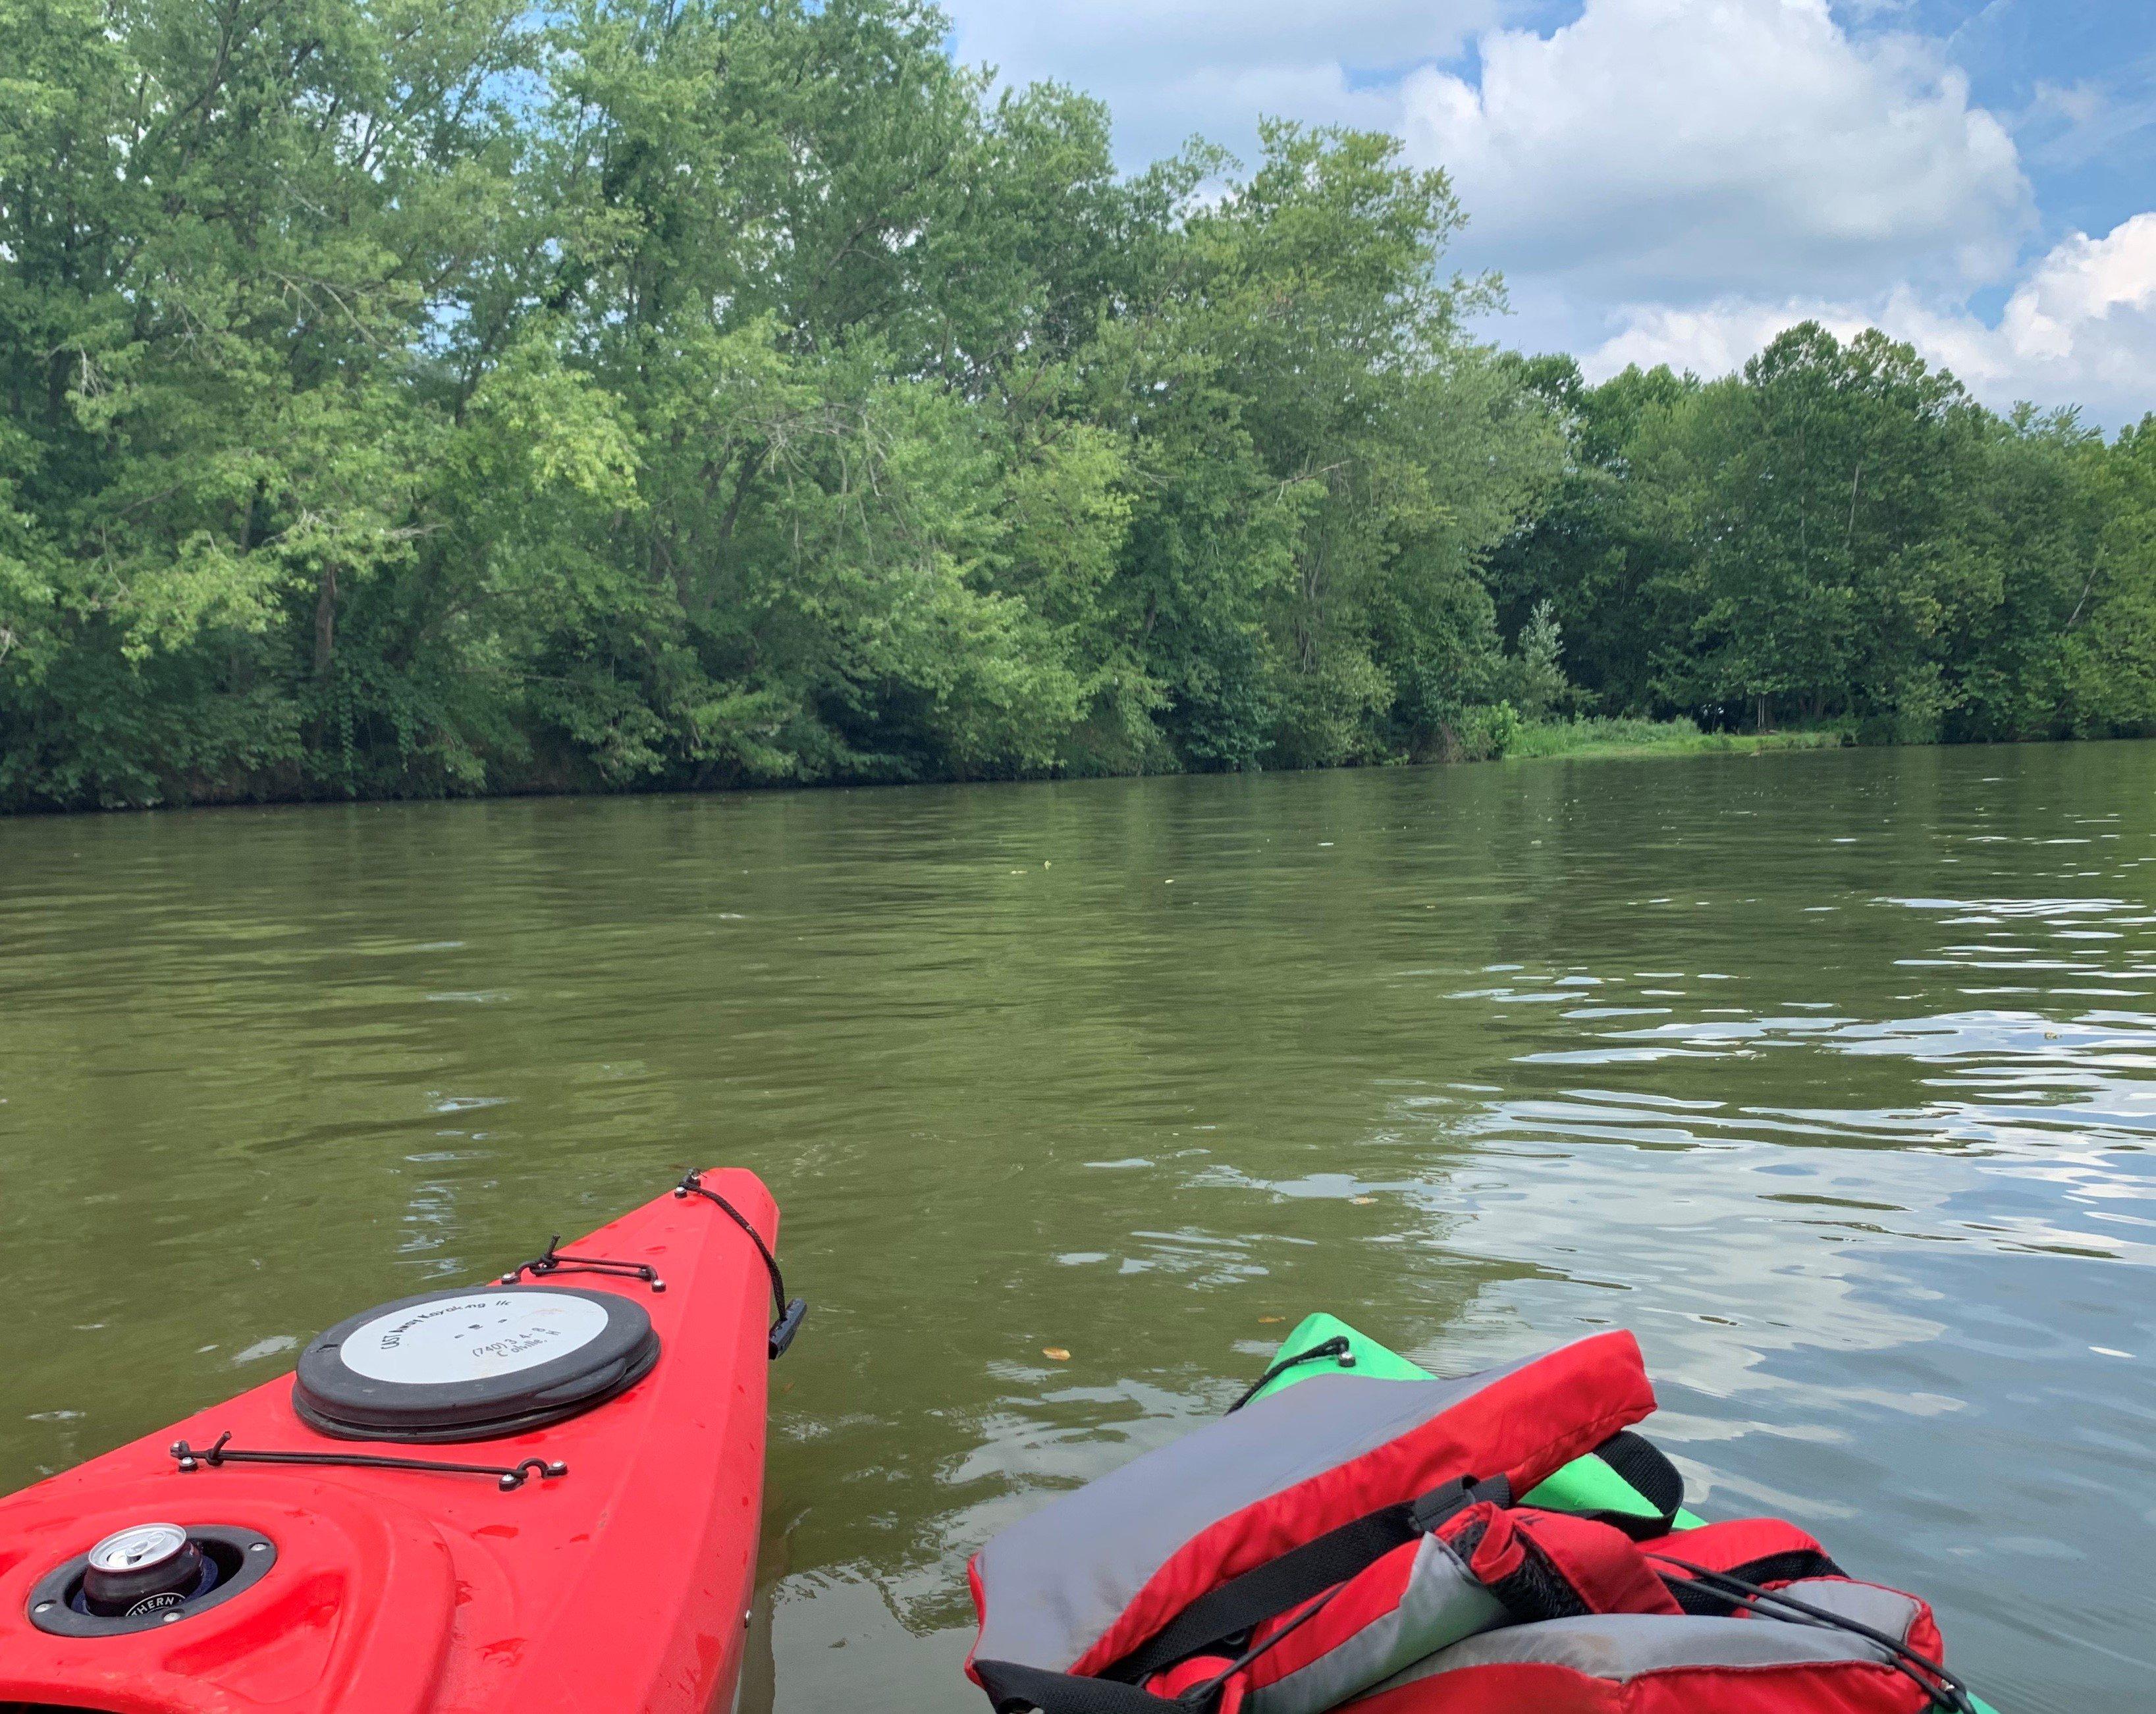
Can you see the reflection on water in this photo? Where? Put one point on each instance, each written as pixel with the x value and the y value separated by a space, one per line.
pixel 1829 1075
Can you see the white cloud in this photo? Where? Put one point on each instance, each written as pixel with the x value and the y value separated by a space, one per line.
pixel 1695 147
pixel 2081 328
pixel 2082 325
pixel 1169 69
pixel 1711 338
pixel 1664 180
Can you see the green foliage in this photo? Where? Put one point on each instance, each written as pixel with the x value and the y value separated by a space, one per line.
pixel 1535 676
pixel 1482 732
pixel 2107 641
pixel 1839 536
pixel 404 398
pixel 1598 735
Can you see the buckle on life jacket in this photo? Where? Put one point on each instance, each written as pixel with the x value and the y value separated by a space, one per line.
pixel 1434 1508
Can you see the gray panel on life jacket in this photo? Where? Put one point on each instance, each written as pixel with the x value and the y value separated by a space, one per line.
pixel 1442 1602
pixel 1885 1609
pixel 1054 1583
pixel 1622 1647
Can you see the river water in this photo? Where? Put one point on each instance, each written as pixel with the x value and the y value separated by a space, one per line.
pixel 1832 1076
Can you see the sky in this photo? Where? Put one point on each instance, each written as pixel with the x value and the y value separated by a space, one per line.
pixel 1675 181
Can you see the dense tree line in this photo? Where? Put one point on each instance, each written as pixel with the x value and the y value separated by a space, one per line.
pixel 1841 534
pixel 404 397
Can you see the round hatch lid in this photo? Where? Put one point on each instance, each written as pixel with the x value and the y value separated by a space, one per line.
pixel 472 1365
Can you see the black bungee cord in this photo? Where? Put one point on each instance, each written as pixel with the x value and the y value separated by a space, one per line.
pixel 219 1453
pixel 787 1313
pixel 1337 1345
pixel 557 1261
pixel 1948 1691
pixel 1200 1696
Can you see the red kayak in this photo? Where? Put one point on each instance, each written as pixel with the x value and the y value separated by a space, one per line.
pixel 539 1494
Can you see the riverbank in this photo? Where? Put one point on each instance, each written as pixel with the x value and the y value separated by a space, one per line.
pixel 1588 738
pixel 1624 736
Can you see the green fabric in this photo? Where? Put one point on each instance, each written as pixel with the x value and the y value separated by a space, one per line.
pixel 1370 1357
pixel 1587 1483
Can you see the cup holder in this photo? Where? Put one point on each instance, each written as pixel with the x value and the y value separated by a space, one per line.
pixel 239 1557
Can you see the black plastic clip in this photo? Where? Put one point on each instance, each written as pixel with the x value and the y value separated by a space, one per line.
pixel 1442 1503
pixel 785 1326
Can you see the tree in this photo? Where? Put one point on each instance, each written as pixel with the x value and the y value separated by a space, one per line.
pixel 2110 633
pixel 688 392
pixel 1536 684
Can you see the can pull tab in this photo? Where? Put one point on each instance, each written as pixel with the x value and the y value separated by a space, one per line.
pixel 143 1567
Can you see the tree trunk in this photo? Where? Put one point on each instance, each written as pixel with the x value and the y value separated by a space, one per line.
pixel 325 622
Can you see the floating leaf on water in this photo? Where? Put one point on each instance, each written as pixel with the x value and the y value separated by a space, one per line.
pixel 1267 1321
pixel 1055 1353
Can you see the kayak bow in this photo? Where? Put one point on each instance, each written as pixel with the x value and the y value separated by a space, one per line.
pixel 539 1494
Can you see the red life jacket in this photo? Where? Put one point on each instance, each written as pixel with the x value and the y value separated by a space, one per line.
pixel 1353 1537
pixel 1712 1659
pixel 1635 1664
pixel 1484 1566
pixel 1245 1519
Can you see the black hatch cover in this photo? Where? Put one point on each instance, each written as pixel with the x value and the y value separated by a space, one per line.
pixel 472 1364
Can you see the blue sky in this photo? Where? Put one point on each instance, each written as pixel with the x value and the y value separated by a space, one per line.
pixel 1673 180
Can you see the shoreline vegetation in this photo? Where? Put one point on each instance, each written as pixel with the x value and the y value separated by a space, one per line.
pixel 1594 737
pixel 1577 738
pixel 679 395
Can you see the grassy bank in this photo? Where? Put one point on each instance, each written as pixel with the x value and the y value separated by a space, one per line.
pixel 1633 736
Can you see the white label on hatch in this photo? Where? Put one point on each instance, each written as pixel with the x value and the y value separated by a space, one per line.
pixel 472 1338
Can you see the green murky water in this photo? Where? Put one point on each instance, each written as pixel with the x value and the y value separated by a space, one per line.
pixel 1832 1076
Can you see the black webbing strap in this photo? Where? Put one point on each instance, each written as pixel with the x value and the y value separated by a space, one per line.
pixel 1268 1590
pixel 1012 1687
pixel 1648 1469
pixel 1233 1609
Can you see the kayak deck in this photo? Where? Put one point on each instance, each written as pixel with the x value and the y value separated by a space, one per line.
pixel 615 1573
